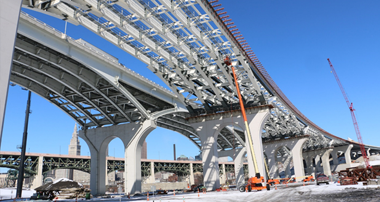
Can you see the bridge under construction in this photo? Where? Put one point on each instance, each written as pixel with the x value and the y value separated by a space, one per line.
pixel 185 43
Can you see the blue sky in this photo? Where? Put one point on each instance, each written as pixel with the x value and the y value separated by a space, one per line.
pixel 292 39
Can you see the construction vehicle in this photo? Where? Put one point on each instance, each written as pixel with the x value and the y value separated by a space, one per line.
pixel 308 179
pixel 254 183
pixel 272 182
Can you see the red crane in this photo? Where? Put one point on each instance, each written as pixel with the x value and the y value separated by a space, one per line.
pixel 350 106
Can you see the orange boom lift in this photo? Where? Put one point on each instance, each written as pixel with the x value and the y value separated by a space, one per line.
pixel 254 183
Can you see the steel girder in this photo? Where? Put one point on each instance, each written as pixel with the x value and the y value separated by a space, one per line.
pixel 73 87
pixel 13 162
pixel 53 163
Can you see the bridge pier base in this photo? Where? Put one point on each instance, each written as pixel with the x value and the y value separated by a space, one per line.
pixel 208 136
pixel 191 177
pixel 310 170
pixel 237 156
pixel 133 136
pixel 320 155
pixel 208 128
pixel 347 154
pixel 239 167
pixel 295 147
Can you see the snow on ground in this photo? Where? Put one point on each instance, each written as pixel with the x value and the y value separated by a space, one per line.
pixel 294 192
pixel 8 193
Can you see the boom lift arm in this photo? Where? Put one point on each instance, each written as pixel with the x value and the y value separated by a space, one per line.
pixel 350 106
pixel 253 182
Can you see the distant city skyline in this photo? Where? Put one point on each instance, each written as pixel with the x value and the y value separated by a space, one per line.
pixel 292 39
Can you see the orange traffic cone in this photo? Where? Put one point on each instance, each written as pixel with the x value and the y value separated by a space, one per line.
pixel 275 186
pixel 198 192
pixel 173 192
pixel 246 189
pixel 147 196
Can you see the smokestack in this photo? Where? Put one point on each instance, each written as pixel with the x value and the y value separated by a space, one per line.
pixel 174 152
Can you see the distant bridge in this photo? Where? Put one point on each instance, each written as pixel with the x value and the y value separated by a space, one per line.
pixel 42 163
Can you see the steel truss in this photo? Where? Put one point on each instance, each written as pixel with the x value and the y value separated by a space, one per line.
pixel 84 164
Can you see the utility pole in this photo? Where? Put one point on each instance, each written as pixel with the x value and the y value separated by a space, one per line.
pixel 23 148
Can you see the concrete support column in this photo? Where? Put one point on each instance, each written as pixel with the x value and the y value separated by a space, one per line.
pixel 208 132
pixel 310 168
pixel 133 136
pixel 38 179
pixel 347 154
pixel 287 170
pixel 272 165
pixel 151 178
pixel 256 124
pixel 9 15
pixel 132 169
pixel 334 155
pixel 239 166
pixel 297 159
pixel 98 171
pixel 318 167
pixel 210 162
pixel 368 152
pixel 326 162
pixel 223 178
pixel 191 178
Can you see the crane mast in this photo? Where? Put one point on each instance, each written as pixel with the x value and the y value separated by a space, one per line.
pixel 352 110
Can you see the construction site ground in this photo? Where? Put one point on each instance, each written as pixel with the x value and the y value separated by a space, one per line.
pixel 294 192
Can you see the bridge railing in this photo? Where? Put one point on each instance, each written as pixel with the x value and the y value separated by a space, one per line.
pixel 41 24
pixel 92 49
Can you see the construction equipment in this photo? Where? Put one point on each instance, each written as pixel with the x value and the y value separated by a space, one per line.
pixel 308 179
pixel 272 182
pixel 350 106
pixel 253 182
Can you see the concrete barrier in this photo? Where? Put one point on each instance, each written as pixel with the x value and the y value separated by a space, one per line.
pixel 164 186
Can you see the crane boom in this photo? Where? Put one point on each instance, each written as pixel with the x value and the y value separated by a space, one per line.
pixel 352 110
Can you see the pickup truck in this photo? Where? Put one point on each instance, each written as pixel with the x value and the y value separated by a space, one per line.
pixel 322 178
